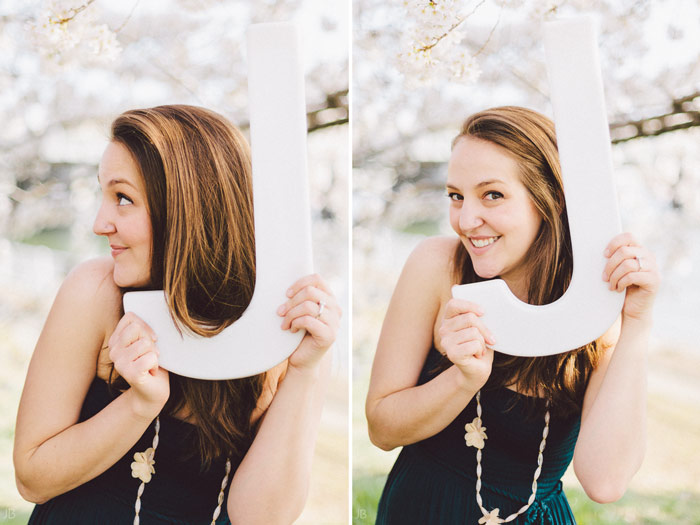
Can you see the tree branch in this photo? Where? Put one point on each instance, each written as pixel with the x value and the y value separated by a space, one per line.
pixel 684 114
pixel 72 13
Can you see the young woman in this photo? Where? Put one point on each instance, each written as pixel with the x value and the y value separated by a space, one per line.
pixel 104 435
pixel 473 422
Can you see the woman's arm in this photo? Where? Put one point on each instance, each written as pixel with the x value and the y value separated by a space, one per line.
pixel 53 453
pixel 398 411
pixel 612 440
pixel 271 483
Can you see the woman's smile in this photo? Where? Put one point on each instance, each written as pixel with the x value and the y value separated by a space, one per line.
pixel 483 242
pixel 117 250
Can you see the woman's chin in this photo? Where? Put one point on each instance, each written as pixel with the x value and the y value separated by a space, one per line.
pixel 486 273
pixel 125 280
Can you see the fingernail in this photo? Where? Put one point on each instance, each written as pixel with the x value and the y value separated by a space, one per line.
pixel 605 276
pixel 492 341
pixel 280 310
pixel 289 292
pixel 607 252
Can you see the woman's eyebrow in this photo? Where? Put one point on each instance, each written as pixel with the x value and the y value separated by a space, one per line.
pixel 478 185
pixel 489 181
pixel 114 182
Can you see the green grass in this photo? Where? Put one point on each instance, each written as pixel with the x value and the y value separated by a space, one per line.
pixel 366 492
pixel 634 508
pixel 54 238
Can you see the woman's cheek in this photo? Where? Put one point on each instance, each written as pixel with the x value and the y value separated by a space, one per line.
pixel 454 218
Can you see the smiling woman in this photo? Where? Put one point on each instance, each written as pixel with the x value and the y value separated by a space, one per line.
pixel 436 375
pixel 104 434
pixel 123 217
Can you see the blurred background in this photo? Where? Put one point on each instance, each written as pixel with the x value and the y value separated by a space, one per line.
pixel 417 77
pixel 67 69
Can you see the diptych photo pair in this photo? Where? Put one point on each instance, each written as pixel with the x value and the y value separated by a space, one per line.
pixel 411 262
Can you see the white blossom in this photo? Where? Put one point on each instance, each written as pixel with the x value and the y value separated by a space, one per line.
pixel 431 48
pixel 67 33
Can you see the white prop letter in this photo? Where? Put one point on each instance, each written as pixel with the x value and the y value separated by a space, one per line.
pixel 587 308
pixel 255 342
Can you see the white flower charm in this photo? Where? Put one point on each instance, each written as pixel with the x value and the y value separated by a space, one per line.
pixel 142 467
pixel 491 518
pixel 476 434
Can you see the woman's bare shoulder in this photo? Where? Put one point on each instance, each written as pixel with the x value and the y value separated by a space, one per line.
pixel 433 261
pixel 90 292
pixel 93 272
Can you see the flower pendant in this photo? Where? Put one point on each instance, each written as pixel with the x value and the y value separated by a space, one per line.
pixel 142 467
pixel 491 518
pixel 476 434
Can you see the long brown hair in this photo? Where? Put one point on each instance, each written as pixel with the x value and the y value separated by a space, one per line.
pixel 196 169
pixel 530 139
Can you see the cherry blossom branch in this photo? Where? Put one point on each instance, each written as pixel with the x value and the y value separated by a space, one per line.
pixel 73 12
pixel 126 21
pixel 454 26
pixel 493 29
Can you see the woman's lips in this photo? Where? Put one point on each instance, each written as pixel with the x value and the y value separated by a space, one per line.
pixel 482 244
pixel 116 250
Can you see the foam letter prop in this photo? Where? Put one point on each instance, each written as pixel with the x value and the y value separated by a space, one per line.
pixel 587 308
pixel 255 342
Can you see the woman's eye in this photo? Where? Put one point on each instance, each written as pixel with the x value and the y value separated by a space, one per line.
pixel 493 195
pixel 454 196
pixel 123 200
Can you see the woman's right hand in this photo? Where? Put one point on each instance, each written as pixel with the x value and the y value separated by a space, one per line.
pixel 464 339
pixel 133 351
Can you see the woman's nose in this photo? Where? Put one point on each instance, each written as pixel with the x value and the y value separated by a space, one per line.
pixel 103 225
pixel 469 217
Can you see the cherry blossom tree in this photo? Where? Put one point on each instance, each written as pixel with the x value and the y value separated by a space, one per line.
pixel 68 67
pixel 420 67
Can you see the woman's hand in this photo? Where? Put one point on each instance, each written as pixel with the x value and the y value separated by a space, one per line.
pixel 463 338
pixel 633 268
pixel 311 307
pixel 133 351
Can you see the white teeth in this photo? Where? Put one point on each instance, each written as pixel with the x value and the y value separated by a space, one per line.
pixel 480 243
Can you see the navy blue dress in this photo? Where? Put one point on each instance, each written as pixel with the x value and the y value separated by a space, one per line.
pixel 434 481
pixel 178 493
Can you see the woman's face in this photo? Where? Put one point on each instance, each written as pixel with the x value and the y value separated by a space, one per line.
pixel 491 211
pixel 123 217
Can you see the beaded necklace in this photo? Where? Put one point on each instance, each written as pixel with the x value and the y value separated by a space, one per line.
pixel 143 468
pixel 475 437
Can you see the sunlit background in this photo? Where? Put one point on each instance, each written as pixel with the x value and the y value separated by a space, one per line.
pixel 67 69
pixel 418 77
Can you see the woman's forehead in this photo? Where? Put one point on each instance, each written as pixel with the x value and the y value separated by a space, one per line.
pixel 118 167
pixel 475 162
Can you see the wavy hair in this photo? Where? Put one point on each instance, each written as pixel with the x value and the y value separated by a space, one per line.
pixel 196 170
pixel 530 139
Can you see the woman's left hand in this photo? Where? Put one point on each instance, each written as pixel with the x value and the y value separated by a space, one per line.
pixel 633 268
pixel 311 307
